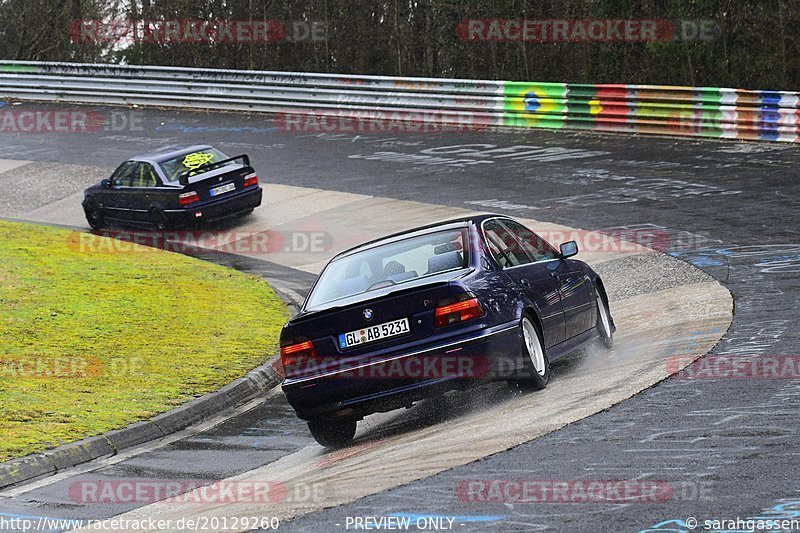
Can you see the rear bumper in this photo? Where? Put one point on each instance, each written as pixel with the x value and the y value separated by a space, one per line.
pixel 399 380
pixel 227 206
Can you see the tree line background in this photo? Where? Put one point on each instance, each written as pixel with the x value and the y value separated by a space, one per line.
pixel 756 46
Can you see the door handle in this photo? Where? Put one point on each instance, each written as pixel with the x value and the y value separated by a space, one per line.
pixel 554 274
pixel 524 282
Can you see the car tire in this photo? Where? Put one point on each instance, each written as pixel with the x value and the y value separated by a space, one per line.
pixel 158 220
pixel 536 365
pixel 95 216
pixel 333 433
pixel 603 324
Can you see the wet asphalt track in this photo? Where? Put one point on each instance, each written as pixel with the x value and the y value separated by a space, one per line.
pixel 728 446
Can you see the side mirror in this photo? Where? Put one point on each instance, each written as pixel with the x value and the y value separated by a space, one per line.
pixel 568 249
pixel 106 184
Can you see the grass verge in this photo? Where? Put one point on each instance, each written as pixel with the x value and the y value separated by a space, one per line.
pixel 96 336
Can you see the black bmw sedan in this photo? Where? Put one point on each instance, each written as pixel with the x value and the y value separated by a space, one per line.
pixel 175 187
pixel 433 309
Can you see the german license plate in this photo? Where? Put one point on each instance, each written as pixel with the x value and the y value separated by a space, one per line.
pixel 222 189
pixel 374 333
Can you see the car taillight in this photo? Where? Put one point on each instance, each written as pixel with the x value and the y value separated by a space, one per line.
pixel 250 179
pixel 188 198
pixel 464 308
pixel 294 353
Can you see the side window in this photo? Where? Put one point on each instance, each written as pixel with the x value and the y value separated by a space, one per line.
pixel 123 176
pixel 534 245
pixel 144 176
pixel 503 245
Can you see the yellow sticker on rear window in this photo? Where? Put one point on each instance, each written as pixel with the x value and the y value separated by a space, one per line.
pixel 197 159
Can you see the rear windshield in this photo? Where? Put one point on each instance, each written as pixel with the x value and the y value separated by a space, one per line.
pixel 390 264
pixel 174 168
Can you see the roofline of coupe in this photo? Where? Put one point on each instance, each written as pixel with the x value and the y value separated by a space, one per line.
pixel 158 157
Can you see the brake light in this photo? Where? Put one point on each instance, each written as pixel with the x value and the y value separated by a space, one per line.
pixel 460 311
pixel 188 198
pixel 250 179
pixel 294 353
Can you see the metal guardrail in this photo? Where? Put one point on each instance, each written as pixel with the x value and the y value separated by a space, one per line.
pixel 665 110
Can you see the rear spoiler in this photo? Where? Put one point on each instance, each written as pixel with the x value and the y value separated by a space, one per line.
pixel 184 178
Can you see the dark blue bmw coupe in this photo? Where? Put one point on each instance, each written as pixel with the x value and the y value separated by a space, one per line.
pixel 433 309
pixel 175 187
